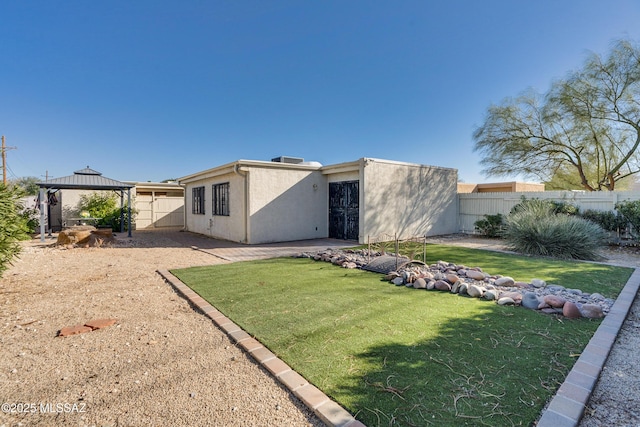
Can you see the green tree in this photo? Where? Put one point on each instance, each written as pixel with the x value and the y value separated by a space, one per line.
pixel 13 225
pixel 28 184
pixel 587 124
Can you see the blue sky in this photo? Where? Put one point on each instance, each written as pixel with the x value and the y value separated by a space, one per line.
pixel 151 90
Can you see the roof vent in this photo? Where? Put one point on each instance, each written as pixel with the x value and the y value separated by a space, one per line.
pixel 286 159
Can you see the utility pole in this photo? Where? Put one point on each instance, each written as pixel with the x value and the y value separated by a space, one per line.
pixel 4 160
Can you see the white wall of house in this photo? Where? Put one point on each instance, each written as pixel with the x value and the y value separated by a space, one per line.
pixel 229 227
pixel 287 204
pixel 407 199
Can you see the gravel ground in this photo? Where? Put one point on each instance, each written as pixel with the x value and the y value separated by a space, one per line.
pixel 163 363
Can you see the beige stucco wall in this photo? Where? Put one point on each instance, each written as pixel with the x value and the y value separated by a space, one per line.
pixel 407 199
pixel 287 204
pixel 222 227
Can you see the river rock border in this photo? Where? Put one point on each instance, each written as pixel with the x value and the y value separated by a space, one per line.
pixel 475 283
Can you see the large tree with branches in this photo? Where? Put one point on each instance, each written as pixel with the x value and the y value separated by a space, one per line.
pixel 587 124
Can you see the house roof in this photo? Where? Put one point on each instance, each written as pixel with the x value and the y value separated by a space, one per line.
pixel 86 178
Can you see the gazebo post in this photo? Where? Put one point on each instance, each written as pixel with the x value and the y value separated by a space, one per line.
pixel 43 203
pixel 129 209
pixel 121 210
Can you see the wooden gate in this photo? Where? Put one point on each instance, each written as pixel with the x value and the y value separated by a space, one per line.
pixel 344 210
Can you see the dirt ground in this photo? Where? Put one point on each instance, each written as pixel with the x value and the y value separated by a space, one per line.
pixel 163 363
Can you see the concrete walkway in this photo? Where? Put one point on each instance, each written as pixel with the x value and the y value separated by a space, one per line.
pixel 565 409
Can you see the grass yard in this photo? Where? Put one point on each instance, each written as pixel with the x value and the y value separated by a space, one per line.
pixel 398 356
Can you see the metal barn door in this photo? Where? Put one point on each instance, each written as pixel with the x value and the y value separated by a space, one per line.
pixel 343 210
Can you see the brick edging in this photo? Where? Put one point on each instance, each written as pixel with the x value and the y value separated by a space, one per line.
pixel 567 407
pixel 319 403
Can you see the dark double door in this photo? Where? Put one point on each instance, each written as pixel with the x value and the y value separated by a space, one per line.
pixel 344 212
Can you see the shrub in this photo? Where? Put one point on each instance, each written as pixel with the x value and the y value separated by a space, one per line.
pixel 13 227
pixel 106 207
pixel 491 225
pixel 631 213
pixel 608 220
pixel 555 206
pixel 536 229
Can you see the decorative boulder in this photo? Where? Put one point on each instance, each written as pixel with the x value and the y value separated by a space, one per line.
pixel 530 300
pixel 554 301
pixel 420 283
pixel 591 311
pixel 571 310
pixel 475 275
pixel 504 281
pixel 441 285
pixel 475 291
pixel 538 283
pixel 452 278
pixel 506 301
pixel 398 281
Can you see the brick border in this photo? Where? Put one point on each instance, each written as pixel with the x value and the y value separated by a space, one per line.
pixel 568 405
pixel 327 410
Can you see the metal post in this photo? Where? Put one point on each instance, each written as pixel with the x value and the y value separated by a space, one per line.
pixel 121 210
pixel 42 205
pixel 129 210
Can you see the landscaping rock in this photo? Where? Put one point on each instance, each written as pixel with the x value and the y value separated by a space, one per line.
pixel 591 311
pixel 475 275
pixel 452 278
pixel 398 281
pixel 475 291
pixel 420 283
pixel 444 276
pixel 538 283
pixel 554 301
pixel 571 310
pixel 530 300
pixel 504 281
pixel 441 285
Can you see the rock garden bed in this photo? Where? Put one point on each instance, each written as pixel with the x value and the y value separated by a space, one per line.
pixel 473 282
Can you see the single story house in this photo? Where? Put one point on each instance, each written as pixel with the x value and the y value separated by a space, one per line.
pixel 287 199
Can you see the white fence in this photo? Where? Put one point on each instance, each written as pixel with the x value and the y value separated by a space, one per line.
pixel 473 206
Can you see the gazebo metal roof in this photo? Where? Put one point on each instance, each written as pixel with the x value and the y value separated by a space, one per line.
pixel 87 179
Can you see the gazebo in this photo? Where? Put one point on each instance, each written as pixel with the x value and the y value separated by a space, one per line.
pixel 85 179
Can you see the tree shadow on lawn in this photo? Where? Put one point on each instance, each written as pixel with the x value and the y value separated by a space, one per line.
pixel 495 368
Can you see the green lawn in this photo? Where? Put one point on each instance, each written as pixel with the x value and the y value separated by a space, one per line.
pixel 397 356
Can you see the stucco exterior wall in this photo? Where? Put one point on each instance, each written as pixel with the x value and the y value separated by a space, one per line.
pixel 229 227
pixel 287 205
pixel 407 199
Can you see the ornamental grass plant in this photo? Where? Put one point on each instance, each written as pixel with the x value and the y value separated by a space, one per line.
pixel 536 229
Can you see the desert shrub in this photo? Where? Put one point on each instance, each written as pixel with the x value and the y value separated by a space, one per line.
pixel 555 206
pixel 13 227
pixel 608 220
pixel 630 211
pixel 536 229
pixel 106 207
pixel 491 225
